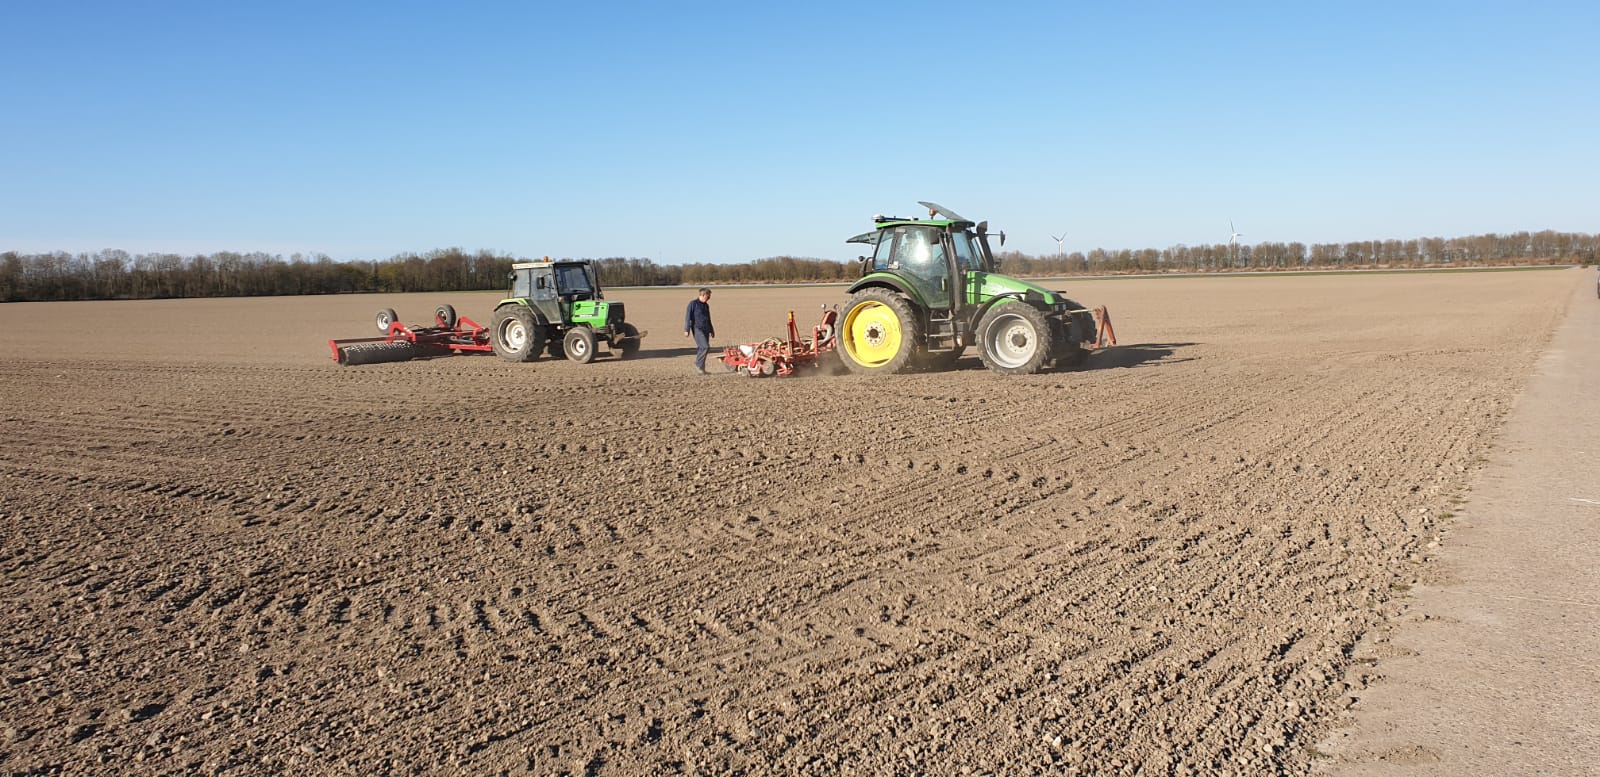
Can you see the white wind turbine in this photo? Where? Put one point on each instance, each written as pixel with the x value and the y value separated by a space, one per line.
pixel 1061 243
pixel 1233 242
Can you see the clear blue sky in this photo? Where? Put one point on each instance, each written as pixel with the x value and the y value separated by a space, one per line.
pixel 702 131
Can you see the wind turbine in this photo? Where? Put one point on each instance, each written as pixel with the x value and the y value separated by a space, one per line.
pixel 1060 243
pixel 1233 238
pixel 1233 243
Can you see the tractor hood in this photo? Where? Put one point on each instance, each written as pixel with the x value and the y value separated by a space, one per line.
pixel 985 285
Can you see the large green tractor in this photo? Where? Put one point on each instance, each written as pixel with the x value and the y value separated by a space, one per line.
pixel 929 290
pixel 557 307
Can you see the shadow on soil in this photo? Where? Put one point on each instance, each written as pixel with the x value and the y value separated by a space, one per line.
pixel 1121 356
pixel 1117 357
pixel 675 353
pixel 1137 355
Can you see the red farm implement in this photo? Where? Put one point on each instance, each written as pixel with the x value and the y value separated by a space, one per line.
pixel 449 334
pixel 775 356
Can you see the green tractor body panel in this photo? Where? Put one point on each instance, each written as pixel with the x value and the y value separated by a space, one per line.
pixel 984 286
pixel 593 314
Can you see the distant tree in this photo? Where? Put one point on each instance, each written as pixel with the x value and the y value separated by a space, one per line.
pixel 115 274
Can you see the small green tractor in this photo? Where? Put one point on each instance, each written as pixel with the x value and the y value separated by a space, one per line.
pixel 930 289
pixel 557 307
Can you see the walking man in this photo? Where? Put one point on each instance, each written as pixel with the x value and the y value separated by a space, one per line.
pixel 697 321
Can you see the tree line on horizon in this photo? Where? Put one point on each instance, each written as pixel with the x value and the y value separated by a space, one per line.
pixel 116 274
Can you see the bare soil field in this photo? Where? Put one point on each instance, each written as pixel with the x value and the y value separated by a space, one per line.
pixel 224 553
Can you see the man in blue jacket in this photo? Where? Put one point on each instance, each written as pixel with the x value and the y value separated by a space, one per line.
pixel 697 321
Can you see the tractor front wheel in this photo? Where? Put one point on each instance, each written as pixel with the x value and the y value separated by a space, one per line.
pixel 515 336
pixel 1014 338
pixel 579 344
pixel 880 332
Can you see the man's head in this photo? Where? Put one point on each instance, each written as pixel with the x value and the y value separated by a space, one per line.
pixel 705 294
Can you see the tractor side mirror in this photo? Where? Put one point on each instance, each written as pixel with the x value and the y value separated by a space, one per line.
pixel 861 260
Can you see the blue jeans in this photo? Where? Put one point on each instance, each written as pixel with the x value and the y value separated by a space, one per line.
pixel 702 344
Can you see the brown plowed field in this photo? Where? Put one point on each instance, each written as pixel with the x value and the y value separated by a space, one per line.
pixel 223 553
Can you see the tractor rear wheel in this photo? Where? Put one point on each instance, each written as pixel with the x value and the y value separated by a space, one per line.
pixel 1014 338
pixel 630 343
pixel 515 335
pixel 880 332
pixel 579 344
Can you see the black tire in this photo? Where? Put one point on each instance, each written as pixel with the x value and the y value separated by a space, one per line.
pixel 630 344
pixel 445 316
pixel 515 335
pixel 867 330
pixel 384 318
pixel 1015 338
pixel 579 344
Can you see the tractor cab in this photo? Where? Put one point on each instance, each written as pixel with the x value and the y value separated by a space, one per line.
pixel 552 287
pixel 939 262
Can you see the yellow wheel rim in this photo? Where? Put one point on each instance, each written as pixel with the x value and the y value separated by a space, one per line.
pixel 872 333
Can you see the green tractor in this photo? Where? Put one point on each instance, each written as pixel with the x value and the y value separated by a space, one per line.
pixel 929 290
pixel 557 307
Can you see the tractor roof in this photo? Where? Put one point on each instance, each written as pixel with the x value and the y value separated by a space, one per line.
pixel 949 219
pixel 884 222
pixel 544 263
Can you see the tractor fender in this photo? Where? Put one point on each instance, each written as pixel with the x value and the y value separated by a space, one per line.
pixel 884 280
pixel 538 318
pixel 1030 300
pixel 983 310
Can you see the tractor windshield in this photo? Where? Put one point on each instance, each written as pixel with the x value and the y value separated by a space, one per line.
pixel 574 282
pixel 986 253
pixel 967 255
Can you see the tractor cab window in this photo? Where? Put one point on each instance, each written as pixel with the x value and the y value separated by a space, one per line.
pixel 914 250
pixel 920 252
pixel 544 285
pixel 967 255
pixel 883 257
pixel 520 288
pixel 574 282
pixel 919 258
